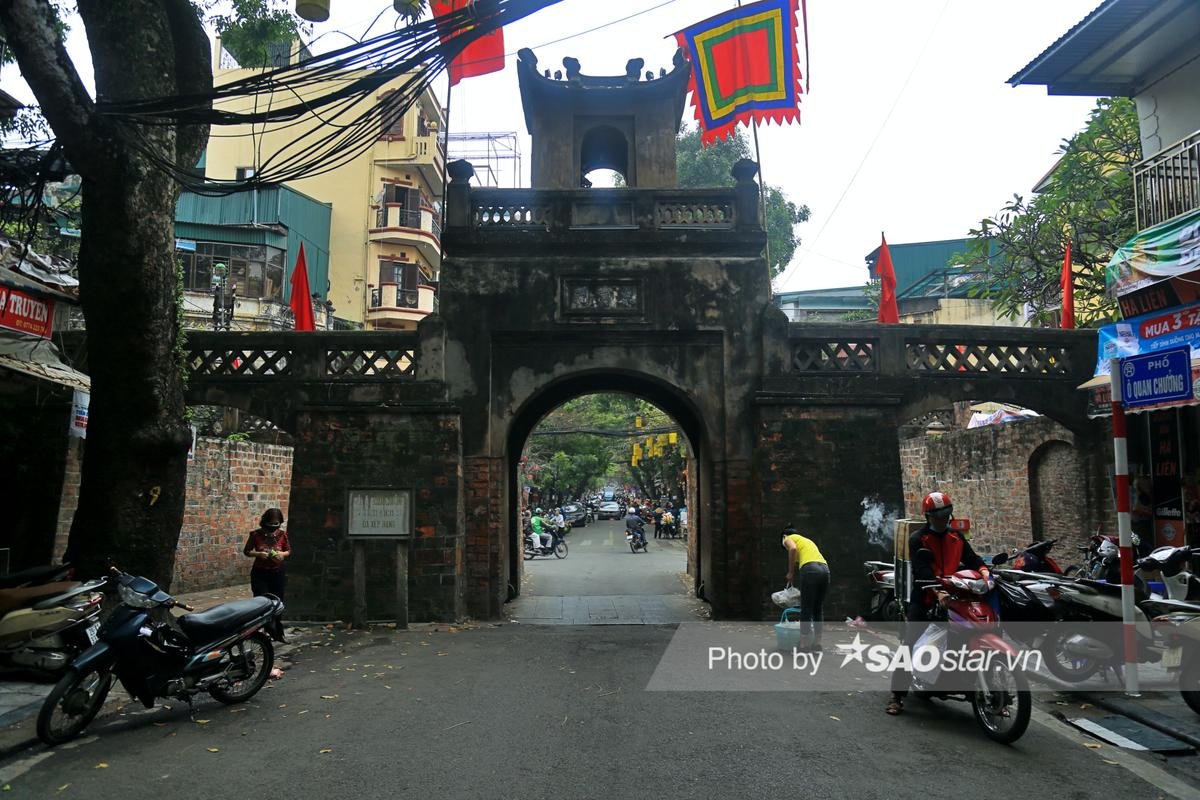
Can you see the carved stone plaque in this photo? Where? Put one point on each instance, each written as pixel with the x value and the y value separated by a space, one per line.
pixel 603 297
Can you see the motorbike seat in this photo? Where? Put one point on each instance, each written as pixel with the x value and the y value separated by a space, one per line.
pixel 12 599
pixel 223 619
pixel 32 575
pixel 1140 592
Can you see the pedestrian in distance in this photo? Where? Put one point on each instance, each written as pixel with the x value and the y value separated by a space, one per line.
pixel 268 545
pixel 804 556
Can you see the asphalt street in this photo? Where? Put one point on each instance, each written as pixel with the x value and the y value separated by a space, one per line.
pixel 599 562
pixel 556 712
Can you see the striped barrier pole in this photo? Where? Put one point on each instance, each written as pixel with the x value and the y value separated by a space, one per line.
pixel 1125 528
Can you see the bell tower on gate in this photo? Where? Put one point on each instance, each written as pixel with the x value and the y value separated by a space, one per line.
pixel 625 123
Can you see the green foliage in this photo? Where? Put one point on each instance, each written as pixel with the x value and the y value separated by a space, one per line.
pixel 252 27
pixel 709 167
pixel 237 437
pixel 62 10
pixel 1089 200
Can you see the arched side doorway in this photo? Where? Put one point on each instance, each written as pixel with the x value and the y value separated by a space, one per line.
pixel 667 398
pixel 1056 504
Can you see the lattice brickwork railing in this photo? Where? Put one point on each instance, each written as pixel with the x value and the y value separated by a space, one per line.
pixel 513 216
pixel 247 362
pixel 700 215
pixel 370 363
pixel 824 356
pixel 1009 359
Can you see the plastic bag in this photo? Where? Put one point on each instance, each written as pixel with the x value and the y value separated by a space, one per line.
pixel 935 638
pixel 786 598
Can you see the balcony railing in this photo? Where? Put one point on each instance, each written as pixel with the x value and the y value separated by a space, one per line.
pixel 391 216
pixel 1168 183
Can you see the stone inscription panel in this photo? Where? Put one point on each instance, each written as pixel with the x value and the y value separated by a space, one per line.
pixel 598 298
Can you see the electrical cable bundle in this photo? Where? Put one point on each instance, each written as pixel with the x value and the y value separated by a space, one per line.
pixel 418 53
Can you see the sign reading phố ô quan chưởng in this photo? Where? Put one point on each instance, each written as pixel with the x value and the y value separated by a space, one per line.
pixel 25 313
pixel 379 514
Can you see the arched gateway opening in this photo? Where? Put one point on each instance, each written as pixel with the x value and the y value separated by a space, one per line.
pixel 599 599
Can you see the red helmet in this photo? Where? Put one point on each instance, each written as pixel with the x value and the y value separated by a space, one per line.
pixel 938 504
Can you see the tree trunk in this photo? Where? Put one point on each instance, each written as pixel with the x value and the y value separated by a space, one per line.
pixel 135 464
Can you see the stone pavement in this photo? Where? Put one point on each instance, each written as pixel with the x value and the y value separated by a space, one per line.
pixel 607 610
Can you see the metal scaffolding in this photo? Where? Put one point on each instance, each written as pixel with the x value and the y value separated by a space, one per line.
pixel 496 156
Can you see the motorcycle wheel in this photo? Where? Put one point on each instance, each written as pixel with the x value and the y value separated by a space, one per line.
pixel 1061 664
pixel 256 655
pixel 560 550
pixel 893 611
pixel 1189 681
pixel 73 704
pixel 1003 710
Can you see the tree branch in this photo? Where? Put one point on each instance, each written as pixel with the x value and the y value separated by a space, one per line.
pixel 46 67
pixel 193 74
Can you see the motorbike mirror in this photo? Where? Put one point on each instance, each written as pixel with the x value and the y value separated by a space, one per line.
pixel 923 556
pixel 1000 558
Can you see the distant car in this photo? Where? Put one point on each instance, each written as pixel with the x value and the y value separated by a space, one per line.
pixel 574 515
pixel 609 509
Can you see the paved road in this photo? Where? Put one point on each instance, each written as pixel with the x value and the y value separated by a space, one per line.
pixel 602 582
pixel 559 712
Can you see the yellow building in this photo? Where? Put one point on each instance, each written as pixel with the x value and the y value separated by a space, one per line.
pixel 385 231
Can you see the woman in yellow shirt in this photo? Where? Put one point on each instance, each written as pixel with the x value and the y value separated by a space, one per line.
pixel 802 552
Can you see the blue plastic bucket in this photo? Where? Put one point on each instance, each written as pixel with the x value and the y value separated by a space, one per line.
pixel 789 633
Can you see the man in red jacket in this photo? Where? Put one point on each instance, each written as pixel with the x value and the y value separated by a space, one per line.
pixel 951 552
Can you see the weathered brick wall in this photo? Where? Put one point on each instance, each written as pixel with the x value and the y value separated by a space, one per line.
pixel 487 541
pixel 1023 480
pixel 70 496
pixel 343 449
pixel 809 455
pixel 229 485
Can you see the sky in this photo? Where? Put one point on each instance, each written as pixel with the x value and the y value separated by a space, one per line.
pixel 909 129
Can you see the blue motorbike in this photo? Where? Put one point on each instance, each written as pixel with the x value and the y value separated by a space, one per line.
pixel 225 651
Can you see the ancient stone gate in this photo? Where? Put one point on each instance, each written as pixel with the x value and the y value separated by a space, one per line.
pixel 557 291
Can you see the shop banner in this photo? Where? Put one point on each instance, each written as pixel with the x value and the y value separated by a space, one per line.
pixel 79 414
pixel 1166 250
pixel 25 313
pixel 1149 333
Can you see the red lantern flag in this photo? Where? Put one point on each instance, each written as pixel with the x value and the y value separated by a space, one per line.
pixel 301 302
pixel 1068 292
pixel 480 57
pixel 888 311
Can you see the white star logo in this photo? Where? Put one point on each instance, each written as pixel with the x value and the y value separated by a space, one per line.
pixel 853 651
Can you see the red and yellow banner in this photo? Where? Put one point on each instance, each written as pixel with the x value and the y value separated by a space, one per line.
pixel 745 67
pixel 25 313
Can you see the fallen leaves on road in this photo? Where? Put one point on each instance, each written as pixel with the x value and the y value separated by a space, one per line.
pixel 326 750
pixel 1110 761
pixel 201 721
pixel 329 697
pixel 101 765
pixel 457 725
pixel 213 749
pixel 835 719
pixel 63 788
pixel 1092 745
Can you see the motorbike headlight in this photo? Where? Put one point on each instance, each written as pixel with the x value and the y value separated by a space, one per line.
pixel 978 586
pixel 133 598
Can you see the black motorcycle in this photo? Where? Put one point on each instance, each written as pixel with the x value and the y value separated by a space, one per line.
pixel 557 548
pixel 637 539
pixel 225 651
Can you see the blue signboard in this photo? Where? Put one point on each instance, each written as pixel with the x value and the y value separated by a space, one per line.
pixel 1162 377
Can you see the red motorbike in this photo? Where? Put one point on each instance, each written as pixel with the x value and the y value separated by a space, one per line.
pixel 974 662
pixel 1036 558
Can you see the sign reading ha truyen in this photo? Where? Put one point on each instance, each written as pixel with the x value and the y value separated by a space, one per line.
pixel 380 514
pixel 25 313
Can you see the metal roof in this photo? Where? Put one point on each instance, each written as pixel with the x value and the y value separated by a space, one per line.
pixel 847 298
pixel 1118 49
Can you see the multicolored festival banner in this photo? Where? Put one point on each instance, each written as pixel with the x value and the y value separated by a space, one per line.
pixel 745 67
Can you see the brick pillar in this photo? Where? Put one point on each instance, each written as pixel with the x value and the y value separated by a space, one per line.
pixel 486 551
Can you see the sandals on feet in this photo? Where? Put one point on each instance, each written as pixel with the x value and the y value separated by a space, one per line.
pixel 895 707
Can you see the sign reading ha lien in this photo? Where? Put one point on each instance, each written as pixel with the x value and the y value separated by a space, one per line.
pixel 25 313
pixel 379 514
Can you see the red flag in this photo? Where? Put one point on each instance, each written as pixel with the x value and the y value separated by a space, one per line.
pixel 888 312
pixel 1068 292
pixel 484 55
pixel 301 299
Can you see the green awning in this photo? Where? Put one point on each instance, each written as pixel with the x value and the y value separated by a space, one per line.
pixel 1168 250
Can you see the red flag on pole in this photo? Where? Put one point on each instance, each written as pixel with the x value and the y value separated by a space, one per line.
pixel 1068 292
pixel 484 55
pixel 301 302
pixel 888 312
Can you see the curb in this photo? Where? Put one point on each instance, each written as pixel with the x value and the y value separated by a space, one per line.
pixel 1139 713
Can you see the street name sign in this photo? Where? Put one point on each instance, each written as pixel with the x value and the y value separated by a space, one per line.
pixel 1154 378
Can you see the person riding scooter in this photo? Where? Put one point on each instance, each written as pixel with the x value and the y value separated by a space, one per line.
pixel 950 553
pixel 634 526
pixel 537 524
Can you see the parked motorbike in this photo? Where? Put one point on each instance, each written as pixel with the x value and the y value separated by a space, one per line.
pixel 1000 700
pixel 557 548
pixel 43 628
pixel 36 576
pixel 1170 565
pixel 1036 558
pixel 225 651
pixel 637 539
pixel 885 606
pixel 1179 624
